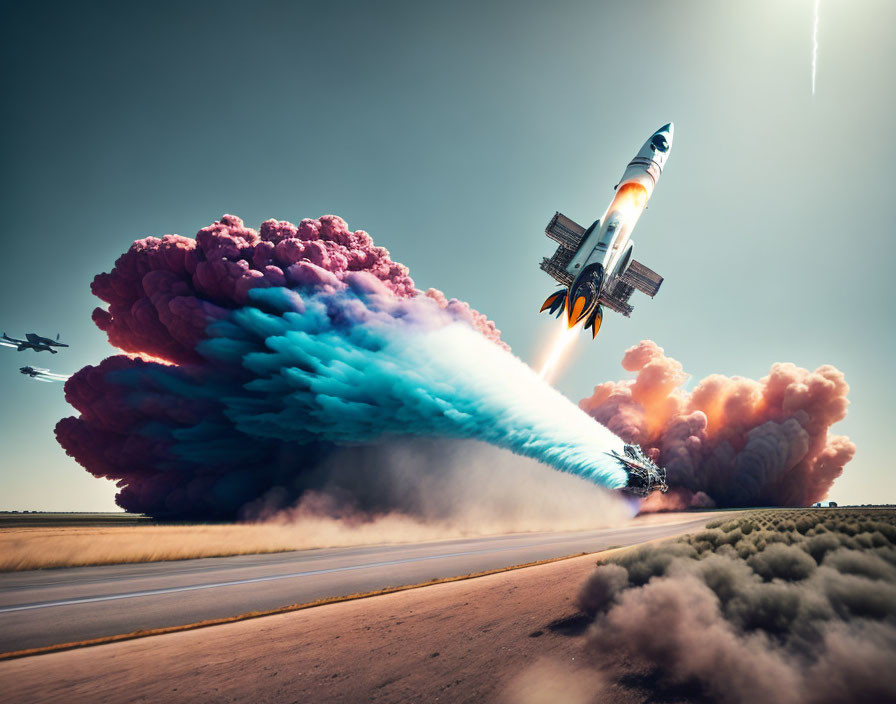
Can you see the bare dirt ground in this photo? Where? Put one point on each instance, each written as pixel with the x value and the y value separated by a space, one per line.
pixel 511 637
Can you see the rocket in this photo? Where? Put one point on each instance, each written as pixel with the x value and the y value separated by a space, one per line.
pixel 595 265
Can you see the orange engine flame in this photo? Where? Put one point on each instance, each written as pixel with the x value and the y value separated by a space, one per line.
pixel 629 203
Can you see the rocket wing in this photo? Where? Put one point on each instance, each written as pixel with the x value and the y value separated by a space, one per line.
pixel 618 299
pixel 556 266
pixel 642 278
pixel 564 231
pixel 568 235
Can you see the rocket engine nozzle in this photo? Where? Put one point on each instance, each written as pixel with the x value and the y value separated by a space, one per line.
pixel 584 293
pixel 595 320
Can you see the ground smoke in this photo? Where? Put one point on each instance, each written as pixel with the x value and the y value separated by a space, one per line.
pixel 397 492
pixel 783 607
pixel 786 607
pixel 263 353
pixel 730 441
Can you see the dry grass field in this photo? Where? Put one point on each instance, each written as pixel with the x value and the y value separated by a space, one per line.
pixel 99 543
pixel 35 541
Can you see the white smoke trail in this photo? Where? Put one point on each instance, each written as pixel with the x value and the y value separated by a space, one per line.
pixel 48 376
pixel 561 344
pixel 815 45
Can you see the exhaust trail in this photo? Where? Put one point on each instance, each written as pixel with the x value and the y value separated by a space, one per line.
pixel 560 347
pixel 40 374
pixel 397 368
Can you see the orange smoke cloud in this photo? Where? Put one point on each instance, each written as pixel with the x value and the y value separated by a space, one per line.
pixel 731 441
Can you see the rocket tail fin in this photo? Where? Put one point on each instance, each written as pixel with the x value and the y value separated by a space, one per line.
pixel 554 302
pixel 594 321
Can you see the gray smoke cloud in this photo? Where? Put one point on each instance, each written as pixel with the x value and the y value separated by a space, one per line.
pixel 794 611
pixel 445 487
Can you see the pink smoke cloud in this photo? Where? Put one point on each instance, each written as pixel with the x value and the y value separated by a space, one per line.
pixel 164 292
pixel 154 420
pixel 731 441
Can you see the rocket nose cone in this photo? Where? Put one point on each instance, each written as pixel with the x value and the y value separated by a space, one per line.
pixel 669 129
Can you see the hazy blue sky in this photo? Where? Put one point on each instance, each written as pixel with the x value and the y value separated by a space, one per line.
pixel 452 132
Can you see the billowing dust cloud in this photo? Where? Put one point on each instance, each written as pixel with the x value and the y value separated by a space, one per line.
pixel 792 607
pixel 255 356
pixel 409 487
pixel 731 441
pixel 405 490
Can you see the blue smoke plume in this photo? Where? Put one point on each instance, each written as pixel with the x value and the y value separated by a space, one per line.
pixel 358 365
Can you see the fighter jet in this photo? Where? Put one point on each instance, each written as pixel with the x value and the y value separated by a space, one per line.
pixel 32 341
pixel 42 374
pixel 595 265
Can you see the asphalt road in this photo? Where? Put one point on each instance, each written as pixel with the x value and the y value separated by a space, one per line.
pixel 47 607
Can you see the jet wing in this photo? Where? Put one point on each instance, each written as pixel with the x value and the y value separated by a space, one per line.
pixel 34 339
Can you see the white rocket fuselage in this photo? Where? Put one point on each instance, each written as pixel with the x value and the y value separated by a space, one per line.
pixel 608 241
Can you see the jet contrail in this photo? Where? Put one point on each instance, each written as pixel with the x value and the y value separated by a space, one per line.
pixel 815 45
pixel 40 374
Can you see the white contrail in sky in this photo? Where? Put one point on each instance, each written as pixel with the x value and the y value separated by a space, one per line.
pixel 815 46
